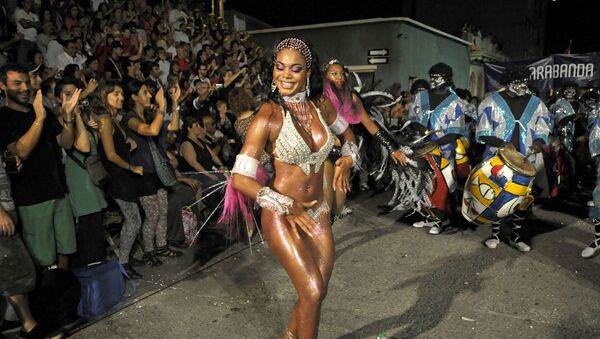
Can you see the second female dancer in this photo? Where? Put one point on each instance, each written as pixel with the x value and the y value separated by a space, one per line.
pixel 348 105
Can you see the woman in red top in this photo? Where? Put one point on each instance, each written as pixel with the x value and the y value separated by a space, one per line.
pixel 181 58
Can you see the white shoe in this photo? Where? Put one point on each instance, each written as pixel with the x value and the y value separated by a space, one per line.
pixel 346 211
pixel 492 243
pixel 435 230
pixel 439 227
pixel 589 251
pixel 521 246
pixel 424 223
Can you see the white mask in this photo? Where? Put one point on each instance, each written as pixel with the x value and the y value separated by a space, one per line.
pixel 569 93
pixel 437 80
pixel 518 87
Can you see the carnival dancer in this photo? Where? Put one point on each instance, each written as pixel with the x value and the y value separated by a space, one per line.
pixel 348 105
pixel 293 126
pixel 594 211
pixel 439 109
pixel 513 118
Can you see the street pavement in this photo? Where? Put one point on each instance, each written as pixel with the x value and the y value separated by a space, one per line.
pixel 390 279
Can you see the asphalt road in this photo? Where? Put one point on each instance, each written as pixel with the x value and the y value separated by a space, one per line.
pixel 388 278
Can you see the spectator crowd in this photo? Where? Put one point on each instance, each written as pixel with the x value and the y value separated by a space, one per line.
pixel 113 107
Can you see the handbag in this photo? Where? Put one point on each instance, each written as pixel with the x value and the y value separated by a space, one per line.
pixel 102 287
pixel 92 165
pixel 163 168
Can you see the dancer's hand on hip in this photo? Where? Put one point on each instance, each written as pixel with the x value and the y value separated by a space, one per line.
pixel 299 218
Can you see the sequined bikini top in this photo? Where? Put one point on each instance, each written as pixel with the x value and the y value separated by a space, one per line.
pixel 292 149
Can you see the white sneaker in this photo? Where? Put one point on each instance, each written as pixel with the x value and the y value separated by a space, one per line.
pixel 492 243
pixel 435 230
pixel 521 246
pixel 589 251
pixel 424 223
pixel 439 227
pixel 346 211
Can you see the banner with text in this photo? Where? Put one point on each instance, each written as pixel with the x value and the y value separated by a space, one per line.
pixel 550 72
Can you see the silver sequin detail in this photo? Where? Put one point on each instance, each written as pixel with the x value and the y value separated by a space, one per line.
pixel 274 201
pixel 316 213
pixel 495 121
pixel 292 149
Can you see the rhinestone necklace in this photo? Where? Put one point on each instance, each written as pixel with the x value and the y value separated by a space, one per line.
pixel 300 110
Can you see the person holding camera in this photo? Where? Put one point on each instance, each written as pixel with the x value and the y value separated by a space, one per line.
pixel 85 195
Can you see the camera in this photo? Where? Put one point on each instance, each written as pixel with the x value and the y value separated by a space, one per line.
pixel 84 103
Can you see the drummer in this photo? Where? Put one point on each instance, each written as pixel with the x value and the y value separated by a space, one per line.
pixel 513 118
pixel 440 109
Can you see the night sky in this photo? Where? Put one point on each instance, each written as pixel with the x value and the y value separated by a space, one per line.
pixel 572 20
pixel 567 19
pixel 281 13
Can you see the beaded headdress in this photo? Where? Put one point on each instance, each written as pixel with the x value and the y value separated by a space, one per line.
pixel 332 62
pixel 298 45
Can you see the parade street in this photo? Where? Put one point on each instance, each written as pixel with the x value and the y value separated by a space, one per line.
pixel 389 278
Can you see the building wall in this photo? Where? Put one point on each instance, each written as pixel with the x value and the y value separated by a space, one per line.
pixel 421 49
pixel 412 49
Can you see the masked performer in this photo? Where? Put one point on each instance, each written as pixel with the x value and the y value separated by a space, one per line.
pixel 594 212
pixel 348 105
pixel 439 109
pixel 585 118
pixel 513 118
pixel 295 125
pixel 562 126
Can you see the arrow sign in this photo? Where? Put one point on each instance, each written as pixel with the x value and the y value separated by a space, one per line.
pixel 373 61
pixel 379 52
